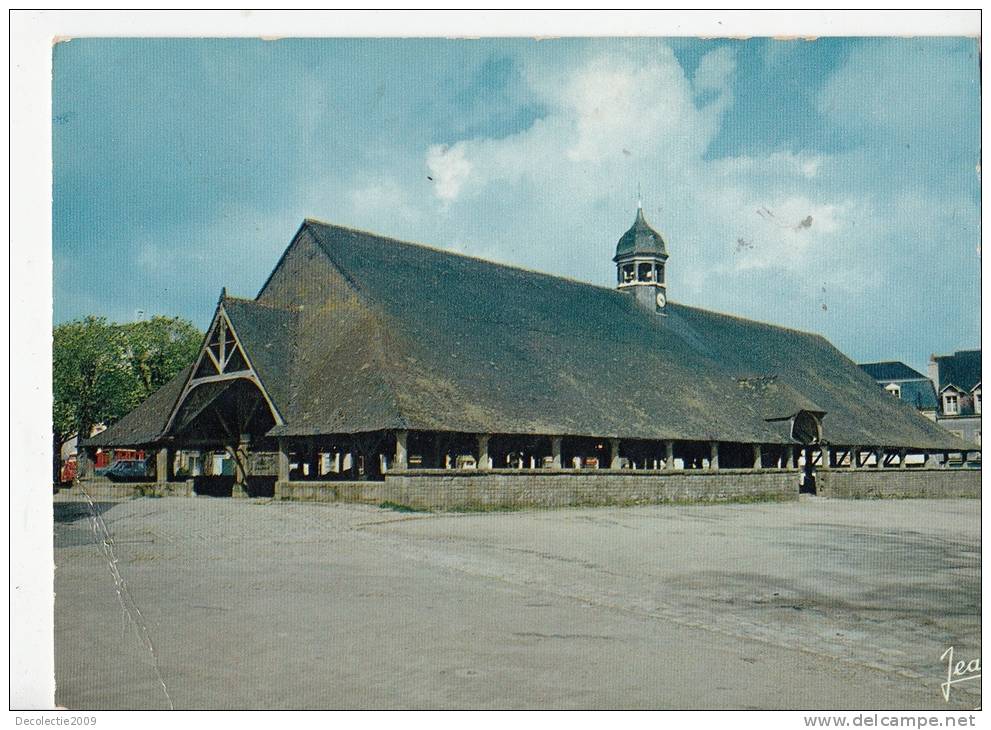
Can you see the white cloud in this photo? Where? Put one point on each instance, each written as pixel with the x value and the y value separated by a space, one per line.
pixel 715 69
pixel 611 124
pixel 449 170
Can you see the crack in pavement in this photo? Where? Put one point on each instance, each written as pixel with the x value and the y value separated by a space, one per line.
pixel 101 533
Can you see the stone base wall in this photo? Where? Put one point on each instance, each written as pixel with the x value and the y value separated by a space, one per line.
pixel 363 492
pixel 507 489
pixel 104 488
pixel 898 483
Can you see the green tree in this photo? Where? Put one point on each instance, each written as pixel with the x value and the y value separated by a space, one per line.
pixel 102 370
pixel 158 349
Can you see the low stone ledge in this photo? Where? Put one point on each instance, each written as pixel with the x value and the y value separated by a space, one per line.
pixel 896 483
pixel 104 488
pixel 515 489
pixel 368 492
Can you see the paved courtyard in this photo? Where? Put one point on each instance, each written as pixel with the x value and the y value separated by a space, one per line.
pixel 219 603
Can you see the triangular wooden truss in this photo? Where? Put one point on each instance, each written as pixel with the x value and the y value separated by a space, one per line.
pixel 222 358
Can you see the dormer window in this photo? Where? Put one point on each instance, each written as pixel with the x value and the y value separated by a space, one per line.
pixel 894 389
pixel 951 404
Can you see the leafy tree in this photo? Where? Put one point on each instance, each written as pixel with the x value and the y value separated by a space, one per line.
pixel 158 349
pixel 102 370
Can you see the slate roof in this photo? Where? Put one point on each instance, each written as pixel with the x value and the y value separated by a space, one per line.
pixel 919 393
pixel 145 423
pixel 268 335
pixel 365 333
pixel 962 369
pixel 641 238
pixel 890 371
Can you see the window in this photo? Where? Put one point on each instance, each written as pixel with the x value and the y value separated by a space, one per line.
pixel 951 406
pixel 894 389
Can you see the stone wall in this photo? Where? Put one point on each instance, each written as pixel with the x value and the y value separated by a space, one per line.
pixel 898 483
pixel 106 489
pixel 366 492
pixel 507 489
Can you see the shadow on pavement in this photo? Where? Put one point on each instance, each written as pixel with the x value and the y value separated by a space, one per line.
pixel 74 511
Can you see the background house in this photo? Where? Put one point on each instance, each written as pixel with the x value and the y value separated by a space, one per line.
pixel 957 381
pixel 905 383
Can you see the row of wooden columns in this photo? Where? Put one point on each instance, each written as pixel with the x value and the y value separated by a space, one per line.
pixel 858 460
pixel 401 456
pixel 883 458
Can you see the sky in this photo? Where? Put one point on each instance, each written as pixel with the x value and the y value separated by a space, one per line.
pixel 830 185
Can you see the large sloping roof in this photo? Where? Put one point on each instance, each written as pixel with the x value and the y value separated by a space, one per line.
pixel 364 333
pixel 415 337
pixel 268 335
pixel 145 423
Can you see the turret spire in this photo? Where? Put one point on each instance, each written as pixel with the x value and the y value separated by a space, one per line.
pixel 641 255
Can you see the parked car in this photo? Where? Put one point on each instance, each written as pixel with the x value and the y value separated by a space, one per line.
pixel 129 470
pixel 68 471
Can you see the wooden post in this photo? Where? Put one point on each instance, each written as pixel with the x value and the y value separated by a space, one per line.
pixel 401 459
pixel 758 456
pixel 555 452
pixel 879 456
pixel 483 451
pixel 668 455
pixel 241 459
pixel 826 457
pixel 902 458
pixel 854 457
pixel 714 455
pixel 162 465
pixel 614 462
pixel 282 461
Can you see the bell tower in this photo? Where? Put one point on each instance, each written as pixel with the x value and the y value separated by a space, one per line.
pixel 641 255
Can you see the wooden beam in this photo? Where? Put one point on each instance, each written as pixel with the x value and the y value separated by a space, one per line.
pixel 401 458
pixel 483 451
pixel 282 461
pixel 555 452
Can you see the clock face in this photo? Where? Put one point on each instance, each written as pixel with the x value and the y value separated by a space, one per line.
pixel 661 299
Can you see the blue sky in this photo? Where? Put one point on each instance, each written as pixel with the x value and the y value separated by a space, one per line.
pixel 829 185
